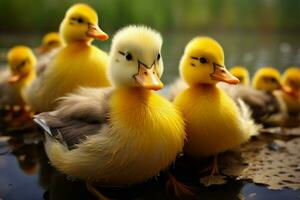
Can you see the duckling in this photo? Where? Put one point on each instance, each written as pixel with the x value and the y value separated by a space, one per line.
pixel 121 135
pixel 291 95
pixel 77 64
pixel 267 80
pixel 241 73
pixel 22 63
pixel 214 122
pixel 50 42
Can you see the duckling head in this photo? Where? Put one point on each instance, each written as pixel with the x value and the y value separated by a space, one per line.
pixel 81 24
pixel 267 79
pixel 49 42
pixel 241 73
pixel 291 79
pixel 21 63
pixel 135 58
pixel 203 63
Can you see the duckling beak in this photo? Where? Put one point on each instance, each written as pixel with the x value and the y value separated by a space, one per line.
pixel 41 49
pixel 14 78
pixel 148 77
pixel 95 32
pixel 290 91
pixel 222 74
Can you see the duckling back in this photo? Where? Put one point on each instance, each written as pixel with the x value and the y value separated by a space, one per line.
pixel 75 65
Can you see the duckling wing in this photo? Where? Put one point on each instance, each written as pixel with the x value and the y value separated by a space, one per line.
pixel 78 115
pixel 260 103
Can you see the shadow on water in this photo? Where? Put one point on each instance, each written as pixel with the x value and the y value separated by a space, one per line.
pixel 25 173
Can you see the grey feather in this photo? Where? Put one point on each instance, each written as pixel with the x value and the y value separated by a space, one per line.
pixel 78 115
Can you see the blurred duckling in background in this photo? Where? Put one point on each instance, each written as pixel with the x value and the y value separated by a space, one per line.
pixel 51 44
pixel 267 80
pixel 241 73
pixel 291 79
pixel 77 64
pixel 214 122
pixel 50 41
pixel 123 135
pixel 22 64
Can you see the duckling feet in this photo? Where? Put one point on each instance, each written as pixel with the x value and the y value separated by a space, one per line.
pixel 93 190
pixel 178 188
pixel 213 167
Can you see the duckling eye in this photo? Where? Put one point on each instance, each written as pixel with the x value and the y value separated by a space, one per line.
pixel 80 20
pixel 158 57
pixel 273 80
pixel 19 66
pixel 128 56
pixel 203 60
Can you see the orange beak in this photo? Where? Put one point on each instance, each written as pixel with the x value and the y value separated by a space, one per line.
pixel 14 78
pixel 148 78
pixel 222 74
pixel 95 32
pixel 41 49
pixel 290 91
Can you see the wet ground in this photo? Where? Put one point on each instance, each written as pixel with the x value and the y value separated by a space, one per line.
pixel 25 173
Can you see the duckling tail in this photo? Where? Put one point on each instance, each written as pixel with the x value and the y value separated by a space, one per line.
pixel 250 127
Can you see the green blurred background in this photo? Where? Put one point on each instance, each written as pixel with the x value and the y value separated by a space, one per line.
pixel 253 32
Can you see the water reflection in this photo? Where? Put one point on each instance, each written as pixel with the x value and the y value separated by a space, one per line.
pixel 25 173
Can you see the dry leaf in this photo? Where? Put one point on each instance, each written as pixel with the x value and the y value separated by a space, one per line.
pixel 213 180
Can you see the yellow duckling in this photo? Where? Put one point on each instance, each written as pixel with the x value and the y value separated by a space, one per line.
pixel 214 122
pixel 50 46
pixel 22 63
pixel 291 98
pixel 77 64
pixel 241 73
pixel 50 42
pixel 267 80
pixel 123 135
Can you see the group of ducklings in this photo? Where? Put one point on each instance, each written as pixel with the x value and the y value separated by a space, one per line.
pixel 102 120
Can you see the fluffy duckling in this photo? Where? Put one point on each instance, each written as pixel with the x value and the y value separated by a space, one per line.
pixel 77 64
pixel 214 122
pixel 123 135
pixel 22 63
pixel 241 73
pixel 50 42
pixel 267 80
pixel 291 96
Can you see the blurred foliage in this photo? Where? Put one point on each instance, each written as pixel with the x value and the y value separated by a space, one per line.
pixel 35 16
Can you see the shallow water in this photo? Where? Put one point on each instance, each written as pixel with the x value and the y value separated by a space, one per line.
pixel 25 172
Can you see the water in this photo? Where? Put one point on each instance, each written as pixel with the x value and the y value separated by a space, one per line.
pixel 25 172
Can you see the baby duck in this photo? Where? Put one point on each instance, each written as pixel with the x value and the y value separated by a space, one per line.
pixel 291 97
pixel 121 135
pixel 22 63
pixel 241 73
pixel 50 42
pixel 214 122
pixel 267 80
pixel 77 64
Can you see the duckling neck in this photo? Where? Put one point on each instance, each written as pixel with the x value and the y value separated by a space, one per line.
pixel 26 81
pixel 137 92
pixel 78 42
pixel 202 86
